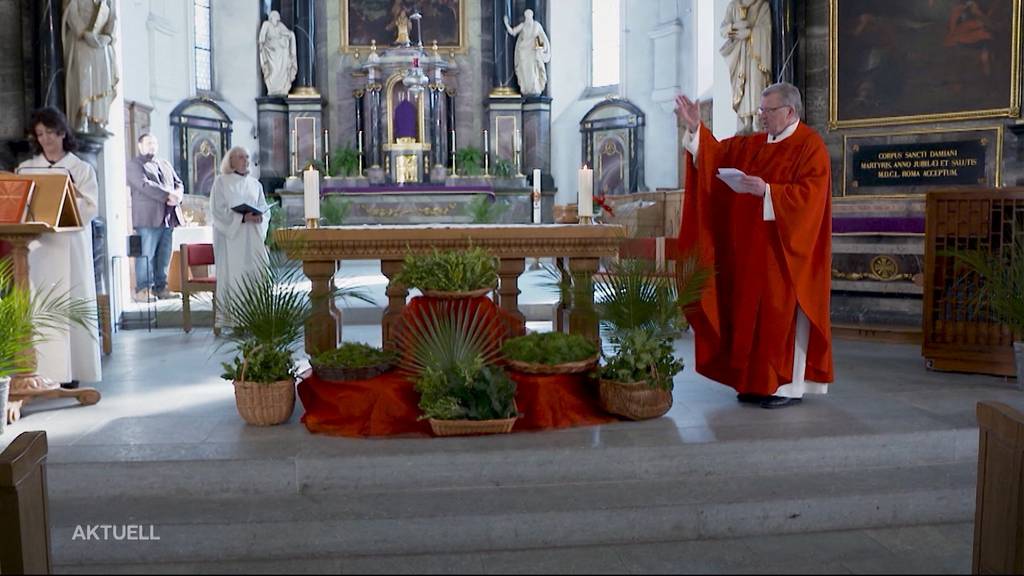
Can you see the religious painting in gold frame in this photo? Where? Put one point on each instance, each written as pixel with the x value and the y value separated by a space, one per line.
pixel 923 61
pixel 363 21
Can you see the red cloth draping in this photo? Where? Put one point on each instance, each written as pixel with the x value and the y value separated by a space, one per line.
pixel 556 401
pixel 383 406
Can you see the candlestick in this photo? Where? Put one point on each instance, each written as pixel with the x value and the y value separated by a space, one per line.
pixel 359 144
pixel 487 155
pixel 454 173
pixel 327 151
pixel 585 200
pixel 311 196
pixel 536 196
pixel 295 152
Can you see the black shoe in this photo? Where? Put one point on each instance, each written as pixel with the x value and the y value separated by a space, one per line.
pixel 750 398
pixel 73 385
pixel 773 402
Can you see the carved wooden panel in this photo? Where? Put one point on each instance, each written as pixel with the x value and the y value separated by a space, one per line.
pixel 960 333
pixel 999 506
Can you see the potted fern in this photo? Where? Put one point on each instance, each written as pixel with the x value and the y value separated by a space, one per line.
pixel 449 349
pixel 26 316
pixel 450 273
pixel 1002 291
pixel 640 311
pixel 266 311
pixel 550 353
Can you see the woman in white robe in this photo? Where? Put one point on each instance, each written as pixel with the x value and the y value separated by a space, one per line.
pixel 65 259
pixel 238 240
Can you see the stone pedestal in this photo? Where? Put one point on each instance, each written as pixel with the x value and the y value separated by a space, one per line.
pixel 306 128
pixel 537 138
pixel 504 120
pixel 275 141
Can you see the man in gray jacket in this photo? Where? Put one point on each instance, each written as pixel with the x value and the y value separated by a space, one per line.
pixel 156 198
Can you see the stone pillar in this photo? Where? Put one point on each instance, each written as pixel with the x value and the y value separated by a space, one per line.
pixel 47 54
pixel 275 141
pixel 537 138
pixel 784 42
pixel 305 120
pixel 305 49
pixel 503 81
pixel 374 138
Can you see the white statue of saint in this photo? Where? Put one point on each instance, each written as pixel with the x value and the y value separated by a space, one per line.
pixel 747 28
pixel 277 55
pixel 533 51
pixel 89 61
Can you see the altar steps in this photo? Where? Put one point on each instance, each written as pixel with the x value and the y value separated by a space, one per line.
pixel 467 495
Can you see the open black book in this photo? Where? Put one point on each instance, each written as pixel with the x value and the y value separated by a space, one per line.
pixel 247 209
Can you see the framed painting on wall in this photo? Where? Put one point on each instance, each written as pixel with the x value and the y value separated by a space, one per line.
pixel 365 21
pixel 923 61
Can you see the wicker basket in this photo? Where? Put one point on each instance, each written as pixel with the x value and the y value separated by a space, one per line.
pixel 566 368
pixel 442 295
pixel 635 400
pixel 471 427
pixel 340 374
pixel 265 404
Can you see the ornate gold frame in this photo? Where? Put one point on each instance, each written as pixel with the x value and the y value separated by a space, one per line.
pixel 385 43
pixel 833 105
pixel 998 128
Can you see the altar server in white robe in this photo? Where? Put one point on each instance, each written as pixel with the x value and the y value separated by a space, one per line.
pixel 65 259
pixel 238 240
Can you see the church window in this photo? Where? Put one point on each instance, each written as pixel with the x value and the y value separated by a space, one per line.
pixel 202 51
pixel 605 28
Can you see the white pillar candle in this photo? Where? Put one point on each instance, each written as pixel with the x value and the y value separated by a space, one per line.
pixel 487 143
pixel 311 193
pixel 585 201
pixel 536 196
pixel 518 141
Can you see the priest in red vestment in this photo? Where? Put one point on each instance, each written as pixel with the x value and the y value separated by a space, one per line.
pixel 762 324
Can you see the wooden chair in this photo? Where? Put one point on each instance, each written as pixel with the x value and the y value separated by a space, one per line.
pixel 999 505
pixel 25 521
pixel 196 260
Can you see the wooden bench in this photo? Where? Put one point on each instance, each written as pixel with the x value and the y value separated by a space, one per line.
pixel 999 512
pixel 24 514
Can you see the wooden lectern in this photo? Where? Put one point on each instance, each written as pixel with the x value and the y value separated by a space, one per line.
pixel 52 210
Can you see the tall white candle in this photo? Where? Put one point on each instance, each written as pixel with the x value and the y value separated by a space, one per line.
pixel 585 201
pixel 311 193
pixel 518 141
pixel 487 143
pixel 536 196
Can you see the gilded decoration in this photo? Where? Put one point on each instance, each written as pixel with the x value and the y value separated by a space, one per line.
pixel 365 21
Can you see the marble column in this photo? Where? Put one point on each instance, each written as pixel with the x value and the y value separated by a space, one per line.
pixel 275 141
pixel 305 48
pixel 47 54
pixel 504 70
pixel 537 138
pixel 784 41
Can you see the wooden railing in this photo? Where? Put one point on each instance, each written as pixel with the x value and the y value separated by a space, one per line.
pixel 24 517
pixel 999 512
pixel 960 333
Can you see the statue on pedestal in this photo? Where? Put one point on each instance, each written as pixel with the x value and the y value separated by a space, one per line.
pixel 277 55
pixel 747 28
pixel 89 60
pixel 533 51
pixel 401 25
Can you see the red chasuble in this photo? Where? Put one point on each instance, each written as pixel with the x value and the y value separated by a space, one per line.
pixel 745 321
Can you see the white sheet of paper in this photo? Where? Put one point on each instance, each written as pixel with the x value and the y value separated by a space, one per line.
pixel 731 177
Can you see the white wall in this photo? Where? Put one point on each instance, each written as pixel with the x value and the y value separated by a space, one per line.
pixel 236 25
pixel 658 61
pixel 725 119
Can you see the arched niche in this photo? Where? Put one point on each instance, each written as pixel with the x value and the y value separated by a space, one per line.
pixel 613 145
pixel 201 130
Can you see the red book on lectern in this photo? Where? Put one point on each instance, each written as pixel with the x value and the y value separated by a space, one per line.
pixel 15 197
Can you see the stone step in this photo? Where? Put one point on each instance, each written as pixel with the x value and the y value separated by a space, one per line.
pixel 467 519
pixel 305 464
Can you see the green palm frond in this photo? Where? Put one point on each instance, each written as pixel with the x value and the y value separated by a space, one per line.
pixel 1000 291
pixel 27 317
pixel 334 210
pixel 449 333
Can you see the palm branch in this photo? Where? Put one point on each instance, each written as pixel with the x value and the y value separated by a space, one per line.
pixel 1001 289
pixel 449 333
pixel 27 317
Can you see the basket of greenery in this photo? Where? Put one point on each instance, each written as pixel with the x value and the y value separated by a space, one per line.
pixel 352 361
pixel 267 310
pixel 467 398
pixel 450 274
pixel 449 348
pixel 637 381
pixel 640 312
pixel 550 353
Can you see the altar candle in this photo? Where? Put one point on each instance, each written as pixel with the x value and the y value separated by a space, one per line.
pixel 585 201
pixel 487 144
pixel 518 141
pixel 327 151
pixel 359 141
pixel 453 141
pixel 536 195
pixel 311 193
